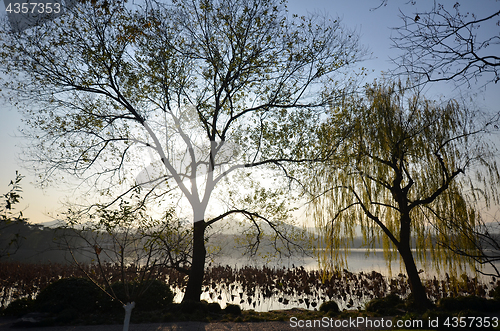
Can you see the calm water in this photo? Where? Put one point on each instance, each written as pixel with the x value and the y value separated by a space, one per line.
pixel 357 261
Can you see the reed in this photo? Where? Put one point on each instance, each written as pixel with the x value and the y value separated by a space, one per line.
pixel 264 288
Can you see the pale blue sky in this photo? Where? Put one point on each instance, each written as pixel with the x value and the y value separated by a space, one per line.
pixel 373 27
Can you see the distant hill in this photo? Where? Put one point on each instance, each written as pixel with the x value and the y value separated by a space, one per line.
pixel 52 224
pixel 33 243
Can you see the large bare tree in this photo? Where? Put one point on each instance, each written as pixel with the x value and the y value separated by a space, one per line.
pixel 181 81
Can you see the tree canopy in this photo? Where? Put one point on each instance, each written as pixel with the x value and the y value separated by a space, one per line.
pixel 407 171
pixel 108 81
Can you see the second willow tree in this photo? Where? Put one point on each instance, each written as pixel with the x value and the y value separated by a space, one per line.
pixel 406 170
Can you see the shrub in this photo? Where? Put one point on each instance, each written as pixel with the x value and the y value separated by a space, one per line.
pixel 329 306
pixel 193 311
pixel 410 304
pixel 233 309
pixel 385 306
pixel 148 296
pixel 214 307
pixel 495 293
pixel 466 303
pixel 471 312
pixel 70 293
pixel 19 307
pixel 158 295
pixel 191 307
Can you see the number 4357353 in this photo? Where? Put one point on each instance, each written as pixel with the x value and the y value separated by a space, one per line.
pixel 34 8
pixel 470 322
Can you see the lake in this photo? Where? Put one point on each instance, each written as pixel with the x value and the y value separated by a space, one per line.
pixel 357 261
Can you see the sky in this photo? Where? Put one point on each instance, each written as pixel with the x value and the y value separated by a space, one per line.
pixel 373 26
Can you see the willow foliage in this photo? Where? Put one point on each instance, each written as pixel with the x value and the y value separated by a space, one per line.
pixel 405 171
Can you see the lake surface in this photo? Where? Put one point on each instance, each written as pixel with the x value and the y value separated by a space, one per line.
pixel 357 261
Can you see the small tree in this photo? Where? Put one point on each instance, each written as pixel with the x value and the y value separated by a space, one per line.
pixel 128 248
pixel 400 171
pixel 11 238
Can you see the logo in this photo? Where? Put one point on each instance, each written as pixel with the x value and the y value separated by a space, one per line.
pixel 25 14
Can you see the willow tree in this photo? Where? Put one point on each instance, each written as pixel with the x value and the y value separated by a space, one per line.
pixel 108 83
pixel 401 169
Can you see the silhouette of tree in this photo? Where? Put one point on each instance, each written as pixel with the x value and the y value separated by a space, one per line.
pixel 400 172
pixel 106 83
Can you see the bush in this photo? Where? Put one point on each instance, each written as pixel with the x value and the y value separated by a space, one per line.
pixel 71 293
pixel 329 306
pixel 467 303
pixel 471 312
pixel 191 307
pixel 385 306
pixel 495 293
pixel 232 309
pixel 158 295
pixel 148 296
pixel 214 307
pixel 19 307
pixel 410 304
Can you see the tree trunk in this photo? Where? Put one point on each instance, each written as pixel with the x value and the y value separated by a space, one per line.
pixel 128 312
pixel 193 289
pixel 420 301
